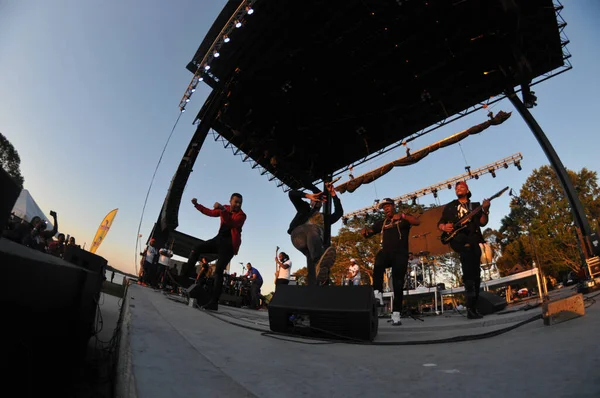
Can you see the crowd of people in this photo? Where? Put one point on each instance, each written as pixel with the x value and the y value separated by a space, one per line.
pixel 36 235
pixel 459 222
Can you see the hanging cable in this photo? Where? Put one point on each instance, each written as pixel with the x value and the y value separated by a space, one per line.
pixel 137 236
pixel 463 154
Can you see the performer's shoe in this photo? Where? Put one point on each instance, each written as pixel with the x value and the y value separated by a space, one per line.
pixel 396 319
pixel 379 297
pixel 325 263
pixel 473 314
pixel 211 305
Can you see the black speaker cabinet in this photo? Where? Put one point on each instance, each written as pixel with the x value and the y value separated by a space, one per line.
pixel 199 292
pixel 10 193
pixel 334 312
pixel 85 259
pixel 489 303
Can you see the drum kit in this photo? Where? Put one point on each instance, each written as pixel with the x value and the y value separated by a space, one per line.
pixel 420 272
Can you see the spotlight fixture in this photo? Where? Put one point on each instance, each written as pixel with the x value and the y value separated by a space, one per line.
pixel 435 193
pixel 249 10
pixel 414 200
pixel 468 169
pixel 449 186
pixel 477 176
pixel 529 98
pixel 505 166
pixel 518 164
pixel 238 24
pixel 226 39
pixel 206 67
pixel 493 173
pixel 217 54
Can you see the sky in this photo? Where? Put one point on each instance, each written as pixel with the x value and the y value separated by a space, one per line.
pixel 89 92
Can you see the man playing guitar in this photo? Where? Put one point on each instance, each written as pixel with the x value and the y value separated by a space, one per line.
pixel 466 241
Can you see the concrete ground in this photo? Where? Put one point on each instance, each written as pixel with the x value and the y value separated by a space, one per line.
pixel 170 349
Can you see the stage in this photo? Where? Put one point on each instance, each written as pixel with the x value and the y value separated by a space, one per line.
pixel 171 349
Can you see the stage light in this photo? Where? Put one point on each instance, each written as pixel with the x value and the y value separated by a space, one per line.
pixel 216 54
pixel 200 79
pixel 518 164
pixel 249 10
pixel 187 100
pixel 182 110
pixel 193 90
pixel 238 24
pixel 226 39
pixel 493 173
pixel 414 200
pixel 206 67
pixel 435 193
pixel 449 186
pixel 505 166
pixel 477 176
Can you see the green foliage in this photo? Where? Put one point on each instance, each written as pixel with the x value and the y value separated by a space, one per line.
pixel 10 160
pixel 542 222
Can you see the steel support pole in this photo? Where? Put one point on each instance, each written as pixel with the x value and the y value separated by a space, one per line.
pixel 327 215
pixel 579 217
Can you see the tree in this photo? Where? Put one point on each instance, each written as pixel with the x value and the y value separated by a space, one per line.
pixel 301 275
pixel 10 160
pixel 540 222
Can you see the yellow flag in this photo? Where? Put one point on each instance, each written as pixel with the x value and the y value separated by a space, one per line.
pixel 103 230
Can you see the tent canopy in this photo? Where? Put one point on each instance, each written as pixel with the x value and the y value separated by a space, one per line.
pixel 26 208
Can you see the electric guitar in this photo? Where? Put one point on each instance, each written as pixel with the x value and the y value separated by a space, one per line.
pixel 464 221
pixel 276 264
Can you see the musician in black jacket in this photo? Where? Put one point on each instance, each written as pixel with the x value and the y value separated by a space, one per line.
pixel 394 230
pixel 466 241
pixel 306 230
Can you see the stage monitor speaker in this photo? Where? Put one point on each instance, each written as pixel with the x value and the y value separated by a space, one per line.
pixel 489 303
pixel 199 292
pixel 334 312
pixel 85 259
pixel 10 194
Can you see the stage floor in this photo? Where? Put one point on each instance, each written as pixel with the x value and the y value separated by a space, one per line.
pixel 171 349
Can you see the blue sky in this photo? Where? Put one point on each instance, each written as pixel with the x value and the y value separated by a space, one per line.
pixel 89 92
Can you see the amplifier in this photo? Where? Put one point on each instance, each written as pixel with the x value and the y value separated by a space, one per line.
pixel 593 264
pixel 334 312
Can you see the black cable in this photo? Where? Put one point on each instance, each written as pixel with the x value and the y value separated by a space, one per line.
pixel 150 188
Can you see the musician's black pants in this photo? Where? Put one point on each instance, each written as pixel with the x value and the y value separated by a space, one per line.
pixel 255 294
pixel 398 261
pixel 224 248
pixel 307 239
pixel 281 281
pixel 470 257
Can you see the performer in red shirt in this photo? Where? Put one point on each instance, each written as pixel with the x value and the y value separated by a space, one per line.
pixel 226 244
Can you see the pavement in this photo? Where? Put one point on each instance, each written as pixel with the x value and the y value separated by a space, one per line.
pixel 170 349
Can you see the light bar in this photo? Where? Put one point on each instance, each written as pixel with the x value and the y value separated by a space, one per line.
pixel 491 168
